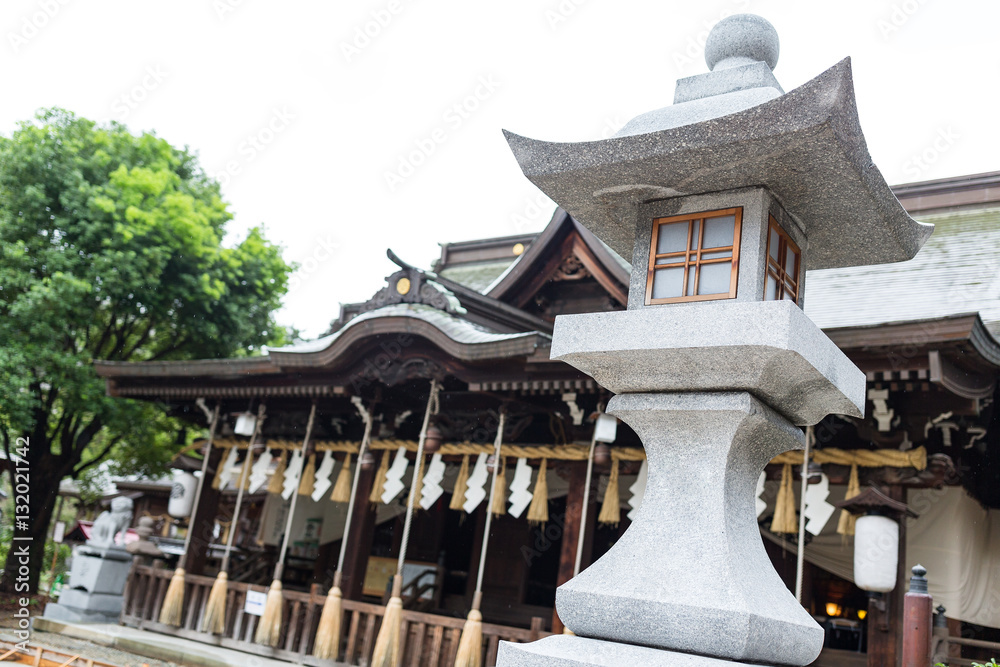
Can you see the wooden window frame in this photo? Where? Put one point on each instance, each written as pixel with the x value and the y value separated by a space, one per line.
pixel 776 268
pixel 691 259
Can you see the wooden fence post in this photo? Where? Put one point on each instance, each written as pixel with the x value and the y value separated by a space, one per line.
pixel 917 606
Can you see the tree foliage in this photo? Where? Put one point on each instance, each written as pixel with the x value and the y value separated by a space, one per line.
pixel 111 249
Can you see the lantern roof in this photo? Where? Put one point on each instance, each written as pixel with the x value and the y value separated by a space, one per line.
pixel 731 128
pixel 873 501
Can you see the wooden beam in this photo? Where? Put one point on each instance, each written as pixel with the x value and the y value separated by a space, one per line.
pixel 359 538
pixel 204 518
pixel 576 475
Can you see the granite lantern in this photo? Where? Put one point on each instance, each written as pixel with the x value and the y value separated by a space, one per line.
pixel 722 201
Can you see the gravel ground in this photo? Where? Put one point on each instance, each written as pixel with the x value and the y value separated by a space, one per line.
pixel 87 649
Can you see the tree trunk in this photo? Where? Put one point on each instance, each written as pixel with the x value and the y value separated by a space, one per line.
pixel 39 475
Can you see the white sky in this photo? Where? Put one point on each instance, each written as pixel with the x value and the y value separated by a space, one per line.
pixel 209 74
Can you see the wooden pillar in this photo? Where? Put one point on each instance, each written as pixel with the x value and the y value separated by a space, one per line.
pixel 204 517
pixel 576 474
pixel 917 615
pixel 477 548
pixel 359 538
pixel 885 636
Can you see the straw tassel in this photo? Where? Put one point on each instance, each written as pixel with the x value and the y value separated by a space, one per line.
pixel 500 497
pixel 387 646
pixel 269 628
pixel 461 485
pixel 215 609
pixel 538 511
pixel 386 652
pixel 378 486
pixel 173 601
pixel 845 525
pixel 470 646
pixel 611 509
pixel 308 483
pixel 784 509
pixel 327 643
pixel 277 482
pixel 342 488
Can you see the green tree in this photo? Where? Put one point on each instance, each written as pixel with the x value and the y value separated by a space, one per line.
pixel 110 249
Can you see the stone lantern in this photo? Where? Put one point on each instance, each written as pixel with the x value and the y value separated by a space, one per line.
pixel 722 201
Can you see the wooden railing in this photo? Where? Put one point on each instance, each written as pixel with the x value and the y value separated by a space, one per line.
pixel 942 644
pixel 428 640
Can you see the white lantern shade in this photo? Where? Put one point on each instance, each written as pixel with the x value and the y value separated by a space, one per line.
pixel 876 553
pixel 182 495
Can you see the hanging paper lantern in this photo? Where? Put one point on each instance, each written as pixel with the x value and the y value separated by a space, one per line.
pixel 876 553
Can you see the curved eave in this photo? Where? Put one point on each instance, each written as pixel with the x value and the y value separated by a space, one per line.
pixel 339 350
pixel 221 368
pixel 967 328
pixel 806 147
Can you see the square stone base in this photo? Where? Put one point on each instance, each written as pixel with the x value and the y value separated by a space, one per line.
pixel 100 570
pixel 84 601
pixel 571 651
pixel 60 612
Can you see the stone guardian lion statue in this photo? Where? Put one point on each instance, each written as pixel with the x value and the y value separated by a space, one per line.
pixel 106 528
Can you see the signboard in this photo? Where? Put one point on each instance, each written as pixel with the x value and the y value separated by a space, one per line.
pixel 59 532
pixel 378 577
pixel 255 603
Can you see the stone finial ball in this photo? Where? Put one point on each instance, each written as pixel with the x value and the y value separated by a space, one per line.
pixel 740 40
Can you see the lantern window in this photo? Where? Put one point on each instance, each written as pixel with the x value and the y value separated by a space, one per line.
pixel 694 257
pixel 783 260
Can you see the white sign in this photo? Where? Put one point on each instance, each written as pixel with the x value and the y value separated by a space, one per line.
pixel 255 603
pixel 59 532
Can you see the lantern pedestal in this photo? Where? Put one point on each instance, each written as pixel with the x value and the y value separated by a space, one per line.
pixel 568 651
pixel 691 573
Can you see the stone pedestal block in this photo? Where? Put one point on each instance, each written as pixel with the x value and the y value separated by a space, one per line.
pixel 100 569
pixel 691 573
pixel 770 349
pixel 568 651
pixel 96 584
pixel 104 603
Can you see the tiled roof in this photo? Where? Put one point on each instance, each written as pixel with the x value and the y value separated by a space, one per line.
pixel 477 276
pixel 457 329
pixel 957 271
